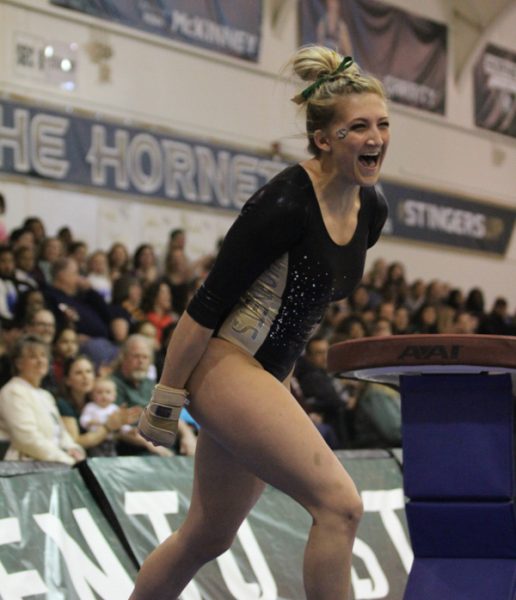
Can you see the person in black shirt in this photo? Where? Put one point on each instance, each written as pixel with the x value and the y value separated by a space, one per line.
pixel 298 244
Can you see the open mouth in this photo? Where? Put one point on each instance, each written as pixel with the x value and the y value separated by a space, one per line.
pixel 369 160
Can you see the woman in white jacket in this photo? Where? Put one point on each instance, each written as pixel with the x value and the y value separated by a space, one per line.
pixel 28 413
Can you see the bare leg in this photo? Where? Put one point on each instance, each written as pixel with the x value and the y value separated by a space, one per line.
pixel 257 430
pixel 223 494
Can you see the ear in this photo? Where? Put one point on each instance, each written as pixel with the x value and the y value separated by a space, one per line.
pixel 321 140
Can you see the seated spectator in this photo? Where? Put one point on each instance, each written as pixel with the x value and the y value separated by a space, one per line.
pixel 374 279
pixel 381 327
pixel 36 226
pixel 386 309
pixel 157 306
pixel 10 285
pixel 416 296
pixel 21 237
pixel 28 303
pixel 26 267
pixel 425 320
pixel 95 415
pixel 78 250
pixel 149 330
pixel 324 396
pixel 42 324
pixel 65 347
pixel 51 251
pixel 134 388
pixel 28 413
pixel 401 321
pixel 145 265
pixel 464 322
pixel 377 417
pixel 351 328
pixel 178 275
pixel 78 383
pixel 359 300
pixel 395 286
pixel 456 299
pixel 10 333
pixel 118 261
pixel 126 299
pixel 475 303
pixel 98 274
pixel 73 303
pixel 498 321
pixel 64 234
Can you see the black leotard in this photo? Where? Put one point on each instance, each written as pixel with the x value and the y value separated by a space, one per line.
pixel 278 269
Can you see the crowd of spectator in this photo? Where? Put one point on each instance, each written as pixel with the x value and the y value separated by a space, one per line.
pixel 84 333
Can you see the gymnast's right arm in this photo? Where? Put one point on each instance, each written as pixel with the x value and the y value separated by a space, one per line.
pixel 270 222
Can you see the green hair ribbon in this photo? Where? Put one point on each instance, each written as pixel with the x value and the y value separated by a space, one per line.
pixel 347 61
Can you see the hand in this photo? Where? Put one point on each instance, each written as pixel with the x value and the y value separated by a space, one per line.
pixel 187 439
pixel 76 453
pixel 130 415
pixel 187 445
pixel 160 450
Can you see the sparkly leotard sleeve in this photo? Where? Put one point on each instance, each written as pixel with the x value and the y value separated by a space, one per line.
pixel 278 269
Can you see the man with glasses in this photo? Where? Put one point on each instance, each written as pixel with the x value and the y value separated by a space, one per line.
pixel 43 325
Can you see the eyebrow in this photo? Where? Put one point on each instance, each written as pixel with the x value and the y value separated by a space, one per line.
pixel 366 120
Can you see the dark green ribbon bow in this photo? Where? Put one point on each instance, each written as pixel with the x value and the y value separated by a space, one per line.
pixel 346 63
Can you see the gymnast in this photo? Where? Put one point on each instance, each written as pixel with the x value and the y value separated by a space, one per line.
pixel 299 243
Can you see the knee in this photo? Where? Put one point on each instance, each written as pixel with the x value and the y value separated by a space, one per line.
pixel 212 544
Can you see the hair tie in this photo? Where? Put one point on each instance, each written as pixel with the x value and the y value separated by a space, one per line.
pixel 347 61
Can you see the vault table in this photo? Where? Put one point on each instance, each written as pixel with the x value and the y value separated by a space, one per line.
pixel 458 456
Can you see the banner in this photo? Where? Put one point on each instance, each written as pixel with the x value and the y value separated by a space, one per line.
pixel 426 216
pixel 495 90
pixel 408 53
pixel 54 540
pixel 225 26
pixel 66 148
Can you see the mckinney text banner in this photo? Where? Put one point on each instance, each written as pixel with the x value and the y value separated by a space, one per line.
pixel 60 146
pixel 408 53
pixel 427 216
pixel 495 90
pixel 225 26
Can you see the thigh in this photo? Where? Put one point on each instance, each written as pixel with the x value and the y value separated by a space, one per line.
pixel 224 490
pixel 258 421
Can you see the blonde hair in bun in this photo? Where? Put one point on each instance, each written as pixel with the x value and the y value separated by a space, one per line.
pixel 331 77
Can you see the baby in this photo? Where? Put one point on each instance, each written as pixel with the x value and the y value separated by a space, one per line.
pixel 103 405
pixel 96 413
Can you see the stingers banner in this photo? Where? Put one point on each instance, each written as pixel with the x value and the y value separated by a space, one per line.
pixel 407 52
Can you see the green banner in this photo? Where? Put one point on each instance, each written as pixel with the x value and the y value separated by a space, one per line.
pixel 151 495
pixel 55 542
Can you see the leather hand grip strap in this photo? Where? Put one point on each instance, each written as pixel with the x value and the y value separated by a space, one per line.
pixel 159 421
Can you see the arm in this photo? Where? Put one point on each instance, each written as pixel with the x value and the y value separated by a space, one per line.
pixel 187 345
pixel 270 223
pixel 89 439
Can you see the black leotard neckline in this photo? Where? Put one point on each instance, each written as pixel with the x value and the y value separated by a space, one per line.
pixel 319 211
